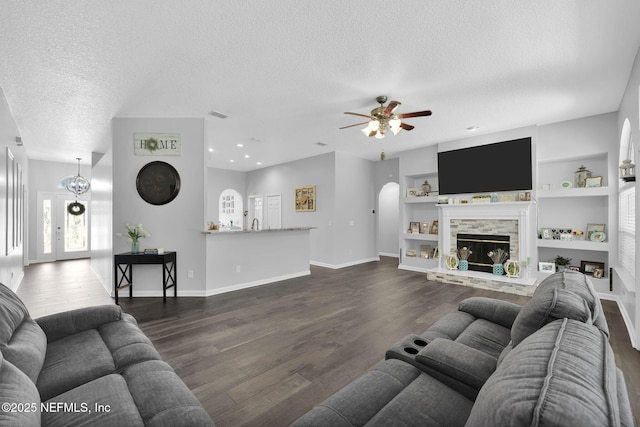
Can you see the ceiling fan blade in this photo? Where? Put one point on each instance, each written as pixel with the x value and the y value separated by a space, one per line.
pixel 406 126
pixel 414 114
pixel 361 115
pixel 357 124
pixel 391 107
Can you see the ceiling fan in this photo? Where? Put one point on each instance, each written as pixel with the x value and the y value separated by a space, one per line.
pixel 383 118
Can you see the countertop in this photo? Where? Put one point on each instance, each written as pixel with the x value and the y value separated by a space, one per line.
pixel 269 230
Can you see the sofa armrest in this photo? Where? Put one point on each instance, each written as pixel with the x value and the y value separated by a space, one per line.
pixel 496 311
pixel 60 325
pixel 458 362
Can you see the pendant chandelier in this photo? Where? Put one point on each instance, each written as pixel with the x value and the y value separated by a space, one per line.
pixel 76 184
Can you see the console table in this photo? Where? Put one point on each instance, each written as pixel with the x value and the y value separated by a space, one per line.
pixel 123 263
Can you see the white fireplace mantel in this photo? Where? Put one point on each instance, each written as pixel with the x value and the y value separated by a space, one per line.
pixel 520 211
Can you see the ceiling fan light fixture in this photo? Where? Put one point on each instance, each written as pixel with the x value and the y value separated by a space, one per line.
pixel 379 135
pixel 394 125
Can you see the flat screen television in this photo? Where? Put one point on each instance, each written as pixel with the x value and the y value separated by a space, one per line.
pixel 502 166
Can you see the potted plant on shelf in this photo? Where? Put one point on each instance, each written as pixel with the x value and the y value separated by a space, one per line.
pixel 561 263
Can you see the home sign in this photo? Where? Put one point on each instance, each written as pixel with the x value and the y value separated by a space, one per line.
pixel 157 144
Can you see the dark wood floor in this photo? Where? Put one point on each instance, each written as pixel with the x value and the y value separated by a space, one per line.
pixel 264 356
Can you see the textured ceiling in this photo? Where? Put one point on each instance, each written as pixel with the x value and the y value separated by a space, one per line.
pixel 285 71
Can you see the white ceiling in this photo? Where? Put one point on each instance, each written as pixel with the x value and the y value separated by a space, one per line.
pixel 285 71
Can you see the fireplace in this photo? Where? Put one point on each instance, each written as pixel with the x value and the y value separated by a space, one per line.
pixel 480 245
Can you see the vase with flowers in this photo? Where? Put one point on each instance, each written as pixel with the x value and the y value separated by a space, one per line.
pixel 498 256
pixel 463 256
pixel 134 234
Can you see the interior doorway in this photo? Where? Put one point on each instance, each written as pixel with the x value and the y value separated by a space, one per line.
pixel 389 220
pixel 62 235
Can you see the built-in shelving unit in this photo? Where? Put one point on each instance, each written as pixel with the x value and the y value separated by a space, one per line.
pixel 420 209
pixel 573 209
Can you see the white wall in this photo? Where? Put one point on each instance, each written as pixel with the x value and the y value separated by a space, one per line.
pixel 102 218
pixel 11 265
pixel 389 219
pixel 177 226
pixel 283 179
pixel 354 225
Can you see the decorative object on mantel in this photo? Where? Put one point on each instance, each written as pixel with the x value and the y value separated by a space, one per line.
pixel 580 176
pixel 627 171
pixel 498 256
pixel 305 198
pixel 463 254
pixel 512 268
pixel 451 261
pixel 157 144
pixel 481 198
pixel 562 263
pixel 135 233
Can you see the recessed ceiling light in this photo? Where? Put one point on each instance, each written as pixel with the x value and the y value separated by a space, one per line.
pixel 258 163
pixel 211 150
pixel 473 128
pixel 240 145
pixel 246 156
pixel 231 161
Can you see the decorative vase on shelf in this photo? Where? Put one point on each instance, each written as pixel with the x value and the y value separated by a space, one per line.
pixel 451 261
pixel 498 269
pixel 463 265
pixel 512 268
pixel 135 246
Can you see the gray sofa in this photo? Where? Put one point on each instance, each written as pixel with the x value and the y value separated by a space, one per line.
pixel 493 363
pixel 89 367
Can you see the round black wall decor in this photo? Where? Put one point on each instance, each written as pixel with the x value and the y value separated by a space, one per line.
pixel 158 183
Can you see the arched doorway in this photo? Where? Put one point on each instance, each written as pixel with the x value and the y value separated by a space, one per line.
pixel 389 220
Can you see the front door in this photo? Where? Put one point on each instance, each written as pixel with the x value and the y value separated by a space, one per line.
pixel 62 235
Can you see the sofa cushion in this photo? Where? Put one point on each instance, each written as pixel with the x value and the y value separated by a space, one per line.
pixel 496 311
pixel 171 403
pixel 18 389
pixel 22 342
pixel 394 393
pixel 485 336
pixel 564 374
pixel 127 343
pixel 73 361
pixel 568 294
pixel 117 407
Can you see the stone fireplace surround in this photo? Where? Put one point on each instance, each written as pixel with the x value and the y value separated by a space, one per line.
pixel 514 219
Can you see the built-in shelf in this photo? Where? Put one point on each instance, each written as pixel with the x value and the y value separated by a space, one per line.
pixel 574 192
pixel 584 245
pixel 421 236
pixel 421 199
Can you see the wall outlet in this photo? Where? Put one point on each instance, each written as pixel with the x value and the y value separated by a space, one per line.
pixel 189 274
pixel 238 269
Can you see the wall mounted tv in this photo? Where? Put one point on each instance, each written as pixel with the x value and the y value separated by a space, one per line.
pixel 502 166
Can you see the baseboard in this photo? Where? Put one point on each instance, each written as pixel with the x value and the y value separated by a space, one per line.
pixel 347 264
pixel 253 284
pixel 388 254
pixel 631 330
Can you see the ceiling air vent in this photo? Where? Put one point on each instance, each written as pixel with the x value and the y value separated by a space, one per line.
pixel 321 144
pixel 218 114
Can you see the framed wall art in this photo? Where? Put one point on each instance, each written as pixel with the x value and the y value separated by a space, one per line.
pixel 305 198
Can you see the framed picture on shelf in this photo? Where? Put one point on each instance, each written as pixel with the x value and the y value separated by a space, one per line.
pixel 593 181
pixel 424 228
pixel 547 267
pixel 546 233
pixel 426 251
pixel 414 227
pixel 413 192
pixel 434 227
pixel 592 268
pixel 594 228
pixel 573 268
pixel 411 253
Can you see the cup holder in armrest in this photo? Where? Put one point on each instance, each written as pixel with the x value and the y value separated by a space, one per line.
pixel 407 349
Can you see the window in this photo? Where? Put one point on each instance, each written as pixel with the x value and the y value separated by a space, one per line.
pixel 627 231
